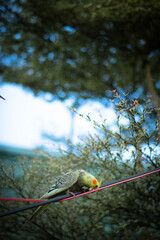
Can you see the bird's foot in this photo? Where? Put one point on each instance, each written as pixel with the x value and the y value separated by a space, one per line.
pixel 72 194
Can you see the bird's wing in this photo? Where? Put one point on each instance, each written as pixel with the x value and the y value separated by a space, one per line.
pixel 62 184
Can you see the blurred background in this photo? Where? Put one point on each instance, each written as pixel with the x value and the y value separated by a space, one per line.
pixel 29 121
pixel 49 62
pixel 83 76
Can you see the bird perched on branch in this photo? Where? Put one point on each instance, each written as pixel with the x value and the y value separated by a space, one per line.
pixel 70 182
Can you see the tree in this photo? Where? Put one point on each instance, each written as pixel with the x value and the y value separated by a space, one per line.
pixel 82 48
pixel 129 211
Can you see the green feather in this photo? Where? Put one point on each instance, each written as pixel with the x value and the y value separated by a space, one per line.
pixel 71 181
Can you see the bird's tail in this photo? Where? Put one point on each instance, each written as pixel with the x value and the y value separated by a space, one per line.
pixel 38 211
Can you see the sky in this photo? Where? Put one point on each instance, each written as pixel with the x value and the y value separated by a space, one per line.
pixel 25 117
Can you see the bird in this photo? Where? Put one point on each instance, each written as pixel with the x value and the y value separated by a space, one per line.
pixel 70 182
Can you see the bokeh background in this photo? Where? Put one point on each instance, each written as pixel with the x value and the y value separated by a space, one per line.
pixel 29 121
pixel 80 89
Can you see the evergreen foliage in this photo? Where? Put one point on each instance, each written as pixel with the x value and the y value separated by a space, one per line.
pixel 81 48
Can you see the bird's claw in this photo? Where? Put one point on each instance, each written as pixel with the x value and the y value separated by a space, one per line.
pixel 72 194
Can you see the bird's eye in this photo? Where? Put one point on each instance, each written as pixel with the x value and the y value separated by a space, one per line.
pixel 96 186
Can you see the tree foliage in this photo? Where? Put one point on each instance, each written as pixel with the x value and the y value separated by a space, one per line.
pixel 127 211
pixel 82 48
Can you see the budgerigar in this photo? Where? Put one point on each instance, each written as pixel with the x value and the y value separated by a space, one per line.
pixel 72 181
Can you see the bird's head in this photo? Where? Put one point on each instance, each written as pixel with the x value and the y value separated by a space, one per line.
pixel 95 183
pixel 91 182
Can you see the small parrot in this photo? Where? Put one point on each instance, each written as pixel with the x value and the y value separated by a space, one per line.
pixel 70 182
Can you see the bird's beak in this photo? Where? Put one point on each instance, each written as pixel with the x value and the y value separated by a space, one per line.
pixel 99 183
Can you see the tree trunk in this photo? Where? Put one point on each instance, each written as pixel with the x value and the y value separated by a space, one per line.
pixel 151 89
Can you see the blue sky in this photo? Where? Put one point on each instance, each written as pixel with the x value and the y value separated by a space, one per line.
pixel 25 117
